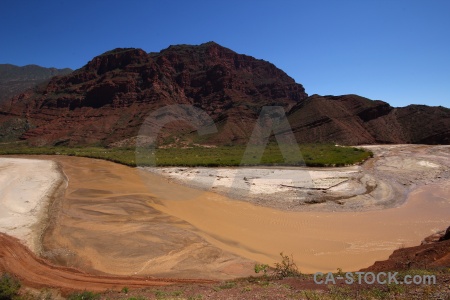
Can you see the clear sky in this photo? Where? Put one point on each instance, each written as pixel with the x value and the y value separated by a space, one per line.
pixel 392 50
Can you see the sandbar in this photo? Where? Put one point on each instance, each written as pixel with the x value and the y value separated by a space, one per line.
pixel 26 189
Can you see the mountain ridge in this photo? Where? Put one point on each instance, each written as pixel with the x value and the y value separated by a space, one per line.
pixel 106 102
pixel 15 79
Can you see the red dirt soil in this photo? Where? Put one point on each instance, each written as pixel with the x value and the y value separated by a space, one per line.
pixel 434 255
pixel 36 272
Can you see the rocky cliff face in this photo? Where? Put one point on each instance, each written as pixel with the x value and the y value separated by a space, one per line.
pixel 106 102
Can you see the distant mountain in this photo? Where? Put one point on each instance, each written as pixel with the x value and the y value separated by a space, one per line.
pixel 15 80
pixel 106 101
pixel 353 120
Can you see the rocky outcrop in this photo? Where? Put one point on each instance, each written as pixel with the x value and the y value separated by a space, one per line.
pixel 106 102
pixel 446 235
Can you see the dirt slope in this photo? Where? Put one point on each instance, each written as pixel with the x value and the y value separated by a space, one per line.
pixel 18 260
pixel 434 252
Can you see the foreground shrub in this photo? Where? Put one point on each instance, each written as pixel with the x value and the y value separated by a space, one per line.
pixel 9 287
pixel 287 267
pixel 261 268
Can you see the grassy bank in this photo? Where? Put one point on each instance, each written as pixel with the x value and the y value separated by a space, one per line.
pixel 316 155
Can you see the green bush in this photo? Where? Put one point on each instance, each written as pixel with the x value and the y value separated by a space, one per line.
pixel 261 267
pixel 287 267
pixel 9 287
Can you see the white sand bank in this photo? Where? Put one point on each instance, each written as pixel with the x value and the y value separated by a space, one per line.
pixel 380 183
pixel 26 186
pixel 260 180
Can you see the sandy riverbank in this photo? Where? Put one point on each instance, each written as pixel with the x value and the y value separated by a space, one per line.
pixel 380 183
pixel 26 189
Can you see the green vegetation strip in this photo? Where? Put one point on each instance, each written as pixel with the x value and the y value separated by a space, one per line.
pixel 314 155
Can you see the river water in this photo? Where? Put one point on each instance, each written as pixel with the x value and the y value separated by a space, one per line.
pixel 122 220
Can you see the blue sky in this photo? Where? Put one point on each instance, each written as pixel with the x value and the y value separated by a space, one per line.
pixel 392 50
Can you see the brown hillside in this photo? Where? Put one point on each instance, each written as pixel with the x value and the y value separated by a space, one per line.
pixel 351 119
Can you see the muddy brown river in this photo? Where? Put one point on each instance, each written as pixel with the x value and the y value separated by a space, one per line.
pixel 120 220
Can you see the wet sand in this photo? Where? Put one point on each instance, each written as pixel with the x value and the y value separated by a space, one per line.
pixel 106 224
pixel 37 273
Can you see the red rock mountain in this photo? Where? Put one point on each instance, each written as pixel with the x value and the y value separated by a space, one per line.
pixel 106 102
